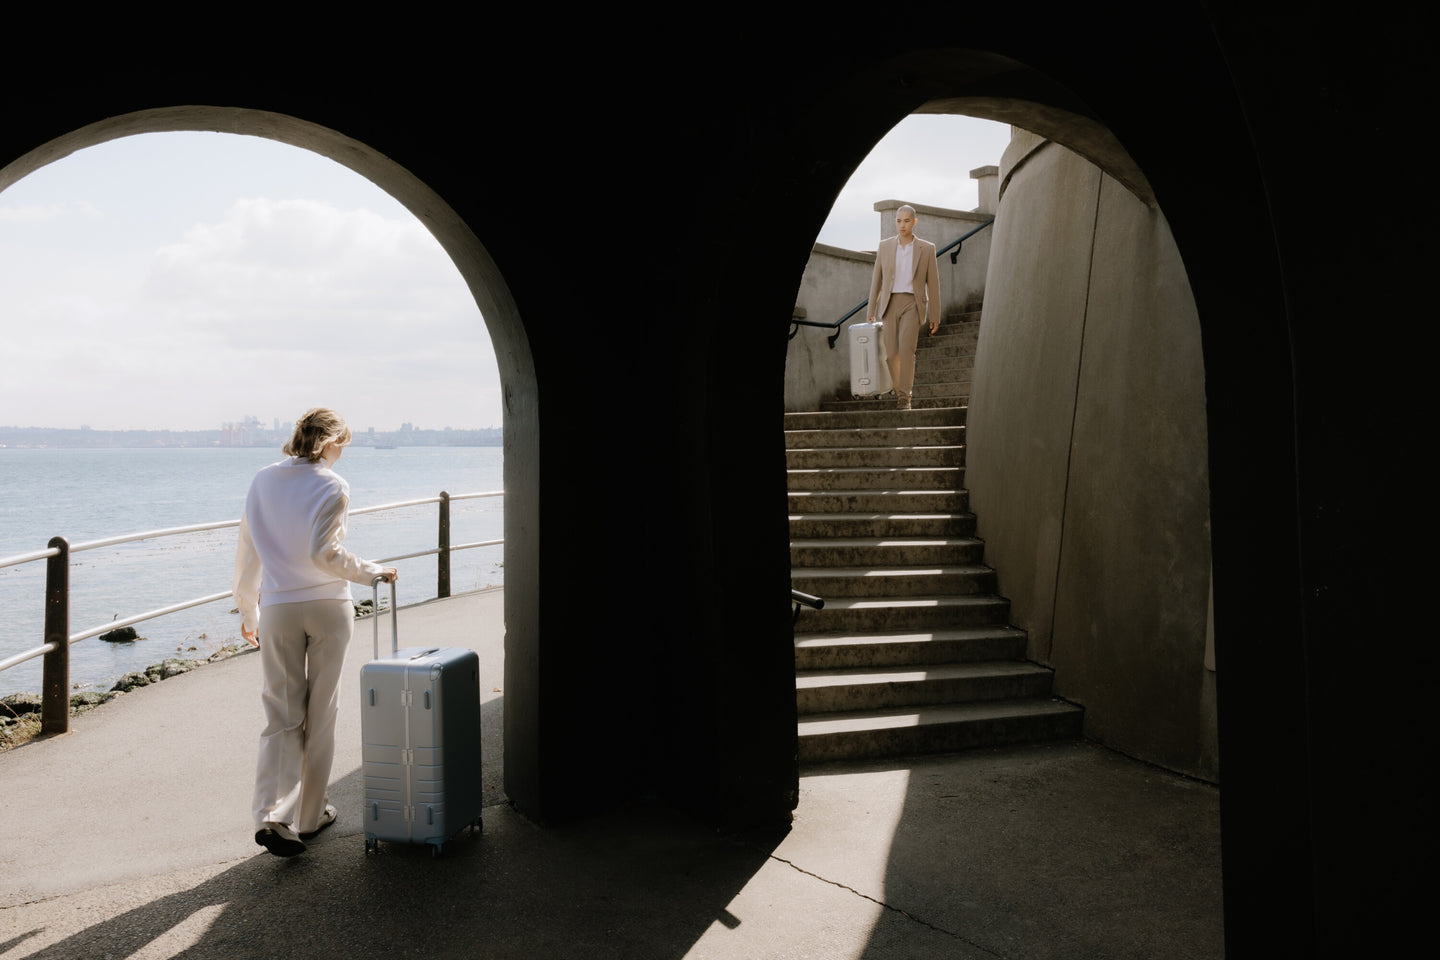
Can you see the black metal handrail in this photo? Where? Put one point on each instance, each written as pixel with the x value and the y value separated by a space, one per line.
pixel 804 599
pixel 952 248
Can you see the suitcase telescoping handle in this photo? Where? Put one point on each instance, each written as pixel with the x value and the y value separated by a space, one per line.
pixel 375 617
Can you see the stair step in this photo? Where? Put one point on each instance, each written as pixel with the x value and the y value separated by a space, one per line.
pixel 942 369
pixel 918 404
pixel 850 526
pixel 885 552
pixel 833 583
pixel 945 388
pixel 883 688
pixel 930 367
pixel 936 729
pixel 867 614
pixel 801 458
pixel 878 501
pixel 875 419
pixel 944 347
pixel 906 436
pixel 962 321
pixel 882 478
pixel 833 651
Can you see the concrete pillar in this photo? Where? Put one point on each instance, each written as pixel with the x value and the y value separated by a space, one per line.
pixel 988 182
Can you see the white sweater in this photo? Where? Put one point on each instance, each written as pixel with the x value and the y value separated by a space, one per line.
pixel 290 534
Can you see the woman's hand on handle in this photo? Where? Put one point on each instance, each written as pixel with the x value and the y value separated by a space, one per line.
pixel 391 575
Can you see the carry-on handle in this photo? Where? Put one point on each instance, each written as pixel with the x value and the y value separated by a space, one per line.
pixel 375 617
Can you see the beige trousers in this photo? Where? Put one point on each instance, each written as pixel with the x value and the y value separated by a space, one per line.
pixel 900 335
pixel 302 655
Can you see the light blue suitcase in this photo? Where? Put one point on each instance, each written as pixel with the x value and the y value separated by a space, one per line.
pixel 420 731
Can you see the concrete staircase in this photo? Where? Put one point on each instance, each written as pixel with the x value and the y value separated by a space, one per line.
pixel 943 364
pixel 913 652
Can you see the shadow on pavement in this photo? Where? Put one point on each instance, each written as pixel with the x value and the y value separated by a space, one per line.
pixel 1054 851
pixel 631 883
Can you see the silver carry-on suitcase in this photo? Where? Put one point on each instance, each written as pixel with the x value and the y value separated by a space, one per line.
pixel 420 732
pixel 869 374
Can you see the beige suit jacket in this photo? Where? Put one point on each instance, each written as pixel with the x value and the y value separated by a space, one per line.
pixel 926 280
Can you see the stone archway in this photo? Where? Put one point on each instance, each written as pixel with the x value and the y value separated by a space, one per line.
pixel 1104 456
pixel 481 275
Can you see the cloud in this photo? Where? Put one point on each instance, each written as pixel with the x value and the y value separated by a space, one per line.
pixel 924 159
pixel 258 312
pixel 273 269
pixel 31 213
pixel 136 291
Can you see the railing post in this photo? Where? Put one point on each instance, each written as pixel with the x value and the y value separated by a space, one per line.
pixel 442 560
pixel 55 679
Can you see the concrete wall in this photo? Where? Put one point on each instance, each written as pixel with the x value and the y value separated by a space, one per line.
pixel 1087 453
pixel 836 280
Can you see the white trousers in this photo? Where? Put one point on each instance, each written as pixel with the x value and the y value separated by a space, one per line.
pixel 302 655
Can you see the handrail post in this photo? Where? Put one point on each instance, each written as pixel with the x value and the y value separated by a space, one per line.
pixel 442 560
pixel 55 678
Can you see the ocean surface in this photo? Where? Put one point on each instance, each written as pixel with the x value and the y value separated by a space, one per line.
pixel 85 495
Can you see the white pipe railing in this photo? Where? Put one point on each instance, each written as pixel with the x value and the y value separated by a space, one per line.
pixel 55 711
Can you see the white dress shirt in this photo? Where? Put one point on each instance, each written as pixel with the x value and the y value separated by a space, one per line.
pixel 904 267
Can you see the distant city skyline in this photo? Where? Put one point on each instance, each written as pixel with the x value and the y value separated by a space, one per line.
pixel 237 435
pixel 284 426
pixel 167 280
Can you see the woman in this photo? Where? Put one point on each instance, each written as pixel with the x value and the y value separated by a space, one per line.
pixel 292 582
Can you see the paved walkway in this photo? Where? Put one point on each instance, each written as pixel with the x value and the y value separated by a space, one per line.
pixel 130 837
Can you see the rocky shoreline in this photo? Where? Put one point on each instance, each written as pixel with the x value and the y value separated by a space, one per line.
pixel 20 712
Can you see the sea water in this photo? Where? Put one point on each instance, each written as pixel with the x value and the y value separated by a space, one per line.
pixel 94 494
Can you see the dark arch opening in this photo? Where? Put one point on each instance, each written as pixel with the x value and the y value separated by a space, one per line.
pixel 1164 159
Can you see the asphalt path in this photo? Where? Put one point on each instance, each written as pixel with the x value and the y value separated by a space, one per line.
pixel 130 836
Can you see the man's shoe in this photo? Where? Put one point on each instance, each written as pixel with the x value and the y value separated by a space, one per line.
pixel 279 839
pixel 328 816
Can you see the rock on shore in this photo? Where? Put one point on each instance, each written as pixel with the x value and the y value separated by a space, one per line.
pixel 20 712
pixel 170 667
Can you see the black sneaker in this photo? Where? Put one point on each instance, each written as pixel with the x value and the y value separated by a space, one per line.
pixel 279 839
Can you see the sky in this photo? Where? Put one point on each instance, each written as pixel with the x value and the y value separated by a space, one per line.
pixel 184 280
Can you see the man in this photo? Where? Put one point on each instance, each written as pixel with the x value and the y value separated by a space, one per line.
pixel 904 292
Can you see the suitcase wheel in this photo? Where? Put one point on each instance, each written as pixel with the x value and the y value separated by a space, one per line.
pixel 372 846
